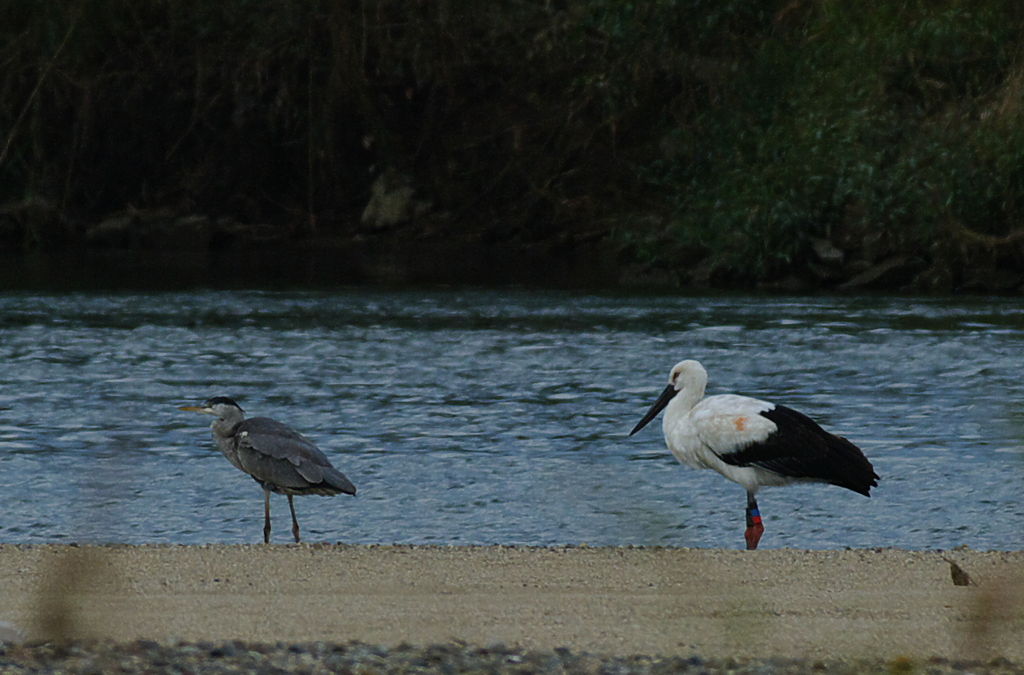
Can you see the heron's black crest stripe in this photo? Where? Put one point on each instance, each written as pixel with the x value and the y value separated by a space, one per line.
pixel 222 400
pixel 799 448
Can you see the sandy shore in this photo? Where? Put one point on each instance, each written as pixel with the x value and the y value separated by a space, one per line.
pixel 786 603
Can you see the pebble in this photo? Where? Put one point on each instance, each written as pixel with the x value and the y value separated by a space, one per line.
pixel 356 658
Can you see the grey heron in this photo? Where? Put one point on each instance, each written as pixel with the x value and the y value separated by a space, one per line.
pixel 277 457
pixel 751 442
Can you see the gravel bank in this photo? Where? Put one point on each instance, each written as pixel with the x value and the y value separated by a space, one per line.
pixel 142 656
pixel 822 606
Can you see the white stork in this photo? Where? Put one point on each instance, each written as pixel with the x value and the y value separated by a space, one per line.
pixel 751 442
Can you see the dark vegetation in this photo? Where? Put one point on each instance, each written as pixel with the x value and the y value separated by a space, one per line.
pixel 791 144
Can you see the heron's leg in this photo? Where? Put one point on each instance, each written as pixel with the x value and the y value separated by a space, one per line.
pixel 266 516
pixel 295 523
pixel 754 527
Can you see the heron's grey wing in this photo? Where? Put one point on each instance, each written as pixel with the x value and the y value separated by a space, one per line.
pixel 274 452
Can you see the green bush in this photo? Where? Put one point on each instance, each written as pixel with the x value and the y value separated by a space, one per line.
pixel 749 127
pixel 865 117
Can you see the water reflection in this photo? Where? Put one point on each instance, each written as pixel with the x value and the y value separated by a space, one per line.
pixel 487 417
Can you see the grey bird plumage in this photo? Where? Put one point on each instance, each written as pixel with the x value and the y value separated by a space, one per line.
pixel 277 457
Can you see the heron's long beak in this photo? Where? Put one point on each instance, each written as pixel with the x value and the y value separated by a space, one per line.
pixel 659 405
pixel 196 408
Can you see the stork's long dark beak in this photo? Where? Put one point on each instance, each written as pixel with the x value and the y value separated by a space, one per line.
pixel 659 405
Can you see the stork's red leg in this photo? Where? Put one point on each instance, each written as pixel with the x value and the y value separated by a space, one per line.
pixel 754 527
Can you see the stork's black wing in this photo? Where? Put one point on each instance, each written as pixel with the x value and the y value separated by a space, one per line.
pixel 799 448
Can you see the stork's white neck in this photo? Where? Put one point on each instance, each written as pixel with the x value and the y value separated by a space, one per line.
pixel 683 402
pixel 690 380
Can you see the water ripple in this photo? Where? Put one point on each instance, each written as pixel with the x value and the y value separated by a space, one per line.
pixel 502 417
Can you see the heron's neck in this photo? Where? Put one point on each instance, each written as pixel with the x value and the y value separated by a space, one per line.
pixel 225 427
pixel 224 437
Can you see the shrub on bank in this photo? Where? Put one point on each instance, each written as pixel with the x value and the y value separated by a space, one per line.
pixel 888 128
pixel 724 142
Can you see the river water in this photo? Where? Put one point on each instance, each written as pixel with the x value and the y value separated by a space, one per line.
pixel 501 417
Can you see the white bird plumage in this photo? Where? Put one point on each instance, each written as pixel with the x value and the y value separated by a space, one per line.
pixel 752 442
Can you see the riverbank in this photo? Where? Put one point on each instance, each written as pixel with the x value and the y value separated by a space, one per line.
pixel 189 252
pixel 789 147
pixel 822 605
pixel 317 263
pixel 153 658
